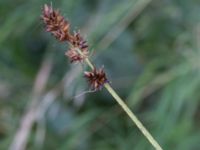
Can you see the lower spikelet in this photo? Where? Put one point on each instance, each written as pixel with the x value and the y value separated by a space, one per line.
pixel 96 78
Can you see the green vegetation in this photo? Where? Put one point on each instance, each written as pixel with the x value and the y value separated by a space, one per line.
pixel 150 50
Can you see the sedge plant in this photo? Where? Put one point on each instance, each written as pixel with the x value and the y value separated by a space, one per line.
pixel 78 52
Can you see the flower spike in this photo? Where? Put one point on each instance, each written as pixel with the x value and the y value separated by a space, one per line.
pixel 55 23
pixel 96 78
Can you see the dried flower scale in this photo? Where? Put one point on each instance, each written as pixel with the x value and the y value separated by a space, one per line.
pixel 78 52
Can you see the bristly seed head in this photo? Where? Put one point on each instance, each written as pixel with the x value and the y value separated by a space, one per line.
pixel 60 28
pixel 55 23
pixel 77 42
pixel 96 78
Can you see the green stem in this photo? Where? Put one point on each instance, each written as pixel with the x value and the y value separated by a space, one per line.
pixel 127 110
pixel 133 117
pixel 89 63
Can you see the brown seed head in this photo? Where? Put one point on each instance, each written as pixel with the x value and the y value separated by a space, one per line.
pixel 60 28
pixel 77 42
pixel 55 23
pixel 96 78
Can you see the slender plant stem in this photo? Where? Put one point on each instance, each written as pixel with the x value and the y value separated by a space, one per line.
pixel 89 63
pixel 133 117
pixel 127 109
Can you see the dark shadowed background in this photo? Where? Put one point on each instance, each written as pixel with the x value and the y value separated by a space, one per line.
pixel 151 53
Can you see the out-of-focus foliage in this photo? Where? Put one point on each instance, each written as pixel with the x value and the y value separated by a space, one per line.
pixel 154 64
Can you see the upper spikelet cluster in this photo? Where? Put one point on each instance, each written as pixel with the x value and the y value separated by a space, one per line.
pixel 78 51
pixel 60 28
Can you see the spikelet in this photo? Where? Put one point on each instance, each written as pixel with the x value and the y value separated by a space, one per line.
pixel 96 78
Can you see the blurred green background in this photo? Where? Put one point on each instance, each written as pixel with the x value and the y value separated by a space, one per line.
pixel 150 50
